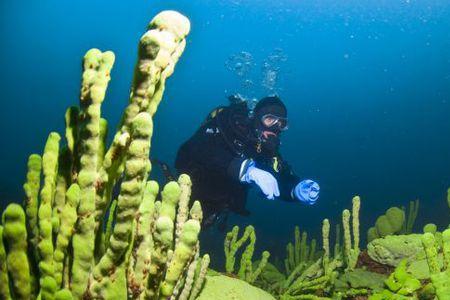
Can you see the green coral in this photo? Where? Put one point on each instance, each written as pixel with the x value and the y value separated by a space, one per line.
pixel 231 246
pixel 302 251
pixel 448 197
pixel 68 219
pixel 97 68
pixel 312 277
pixel 360 279
pixel 351 245
pixel 74 240
pixel 4 280
pixel 339 276
pixel 300 255
pixel 440 277
pixel 388 224
pixel 270 279
pixel 45 245
pixel 392 249
pixel 411 216
pixel 85 245
pixel 15 237
pixel 430 227
pixel 395 221
pixel 399 285
pixel 31 188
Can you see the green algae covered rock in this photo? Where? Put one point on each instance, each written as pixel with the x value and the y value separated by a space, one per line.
pixel 270 275
pixel 360 278
pixel 220 287
pixel 400 285
pixel 392 249
pixel 419 268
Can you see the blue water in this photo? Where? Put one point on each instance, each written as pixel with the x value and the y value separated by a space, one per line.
pixel 367 85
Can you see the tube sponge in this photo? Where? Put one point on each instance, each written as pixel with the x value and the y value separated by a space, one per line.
pixel 45 245
pixel 96 75
pixel 181 256
pixel 301 251
pixel 136 170
pixel 146 255
pixel 351 246
pixel 15 237
pixel 31 188
pixel 440 278
pixel 68 219
pixel 143 243
pixel 4 280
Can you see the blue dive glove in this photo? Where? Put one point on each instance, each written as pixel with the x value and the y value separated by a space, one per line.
pixel 263 179
pixel 307 191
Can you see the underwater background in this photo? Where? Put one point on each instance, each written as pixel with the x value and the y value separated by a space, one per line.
pixel 366 83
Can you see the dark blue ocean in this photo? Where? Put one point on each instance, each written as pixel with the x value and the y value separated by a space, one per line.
pixel 366 83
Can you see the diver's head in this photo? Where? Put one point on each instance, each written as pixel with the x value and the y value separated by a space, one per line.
pixel 269 120
pixel 270 116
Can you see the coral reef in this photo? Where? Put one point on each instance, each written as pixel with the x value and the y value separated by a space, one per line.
pixel 92 227
pixel 312 274
pixel 420 261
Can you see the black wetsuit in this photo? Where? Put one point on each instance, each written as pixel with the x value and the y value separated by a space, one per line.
pixel 213 157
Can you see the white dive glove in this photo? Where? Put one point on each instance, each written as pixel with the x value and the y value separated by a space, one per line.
pixel 263 179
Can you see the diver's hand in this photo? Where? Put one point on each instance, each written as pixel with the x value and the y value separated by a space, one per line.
pixel 307 191
pixel 263 179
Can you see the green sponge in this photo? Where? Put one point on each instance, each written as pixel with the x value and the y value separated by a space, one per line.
pixel 388 224
pixel 15 237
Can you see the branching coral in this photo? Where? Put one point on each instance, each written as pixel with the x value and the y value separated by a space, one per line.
pixel 232 245
pixel 351 246
pixel 309 281
pixel 343 275
pixel 301 251
pixel 300 254
pixel 73 241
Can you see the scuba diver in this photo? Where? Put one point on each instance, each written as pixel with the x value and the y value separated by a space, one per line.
pixel 236 148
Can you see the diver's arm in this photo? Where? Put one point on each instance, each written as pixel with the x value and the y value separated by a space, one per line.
pixel 292 188
pixel 287 181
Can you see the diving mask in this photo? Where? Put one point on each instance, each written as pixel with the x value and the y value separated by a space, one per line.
pixel 271 121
